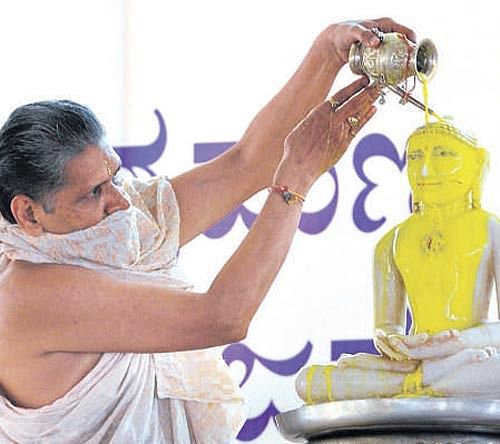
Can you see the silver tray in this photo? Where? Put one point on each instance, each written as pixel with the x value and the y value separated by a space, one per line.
pixel 390 415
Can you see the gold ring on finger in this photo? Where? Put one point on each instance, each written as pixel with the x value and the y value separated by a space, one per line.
pixel 353 122
pixel 333 103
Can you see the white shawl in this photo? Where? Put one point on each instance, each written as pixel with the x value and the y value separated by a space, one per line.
pixel 184 397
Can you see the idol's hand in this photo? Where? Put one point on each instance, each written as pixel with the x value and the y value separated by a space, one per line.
pixel 366 361
pixel 449 342
pixel 322 137
pixel 436 369
pixel 391 345
pixel 339 37
pixel 439 345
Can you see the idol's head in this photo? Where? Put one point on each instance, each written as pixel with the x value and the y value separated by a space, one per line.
pixel 57 172
pixel 444 165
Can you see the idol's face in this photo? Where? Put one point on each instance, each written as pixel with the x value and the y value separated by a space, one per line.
pixel 91 193
pixel 441 169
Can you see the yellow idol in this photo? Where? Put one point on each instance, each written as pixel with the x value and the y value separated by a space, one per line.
pixel 444 165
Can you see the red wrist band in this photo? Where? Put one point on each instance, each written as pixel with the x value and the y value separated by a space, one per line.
pixel 289 196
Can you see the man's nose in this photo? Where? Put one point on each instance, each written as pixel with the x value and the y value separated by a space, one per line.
pixel 116 201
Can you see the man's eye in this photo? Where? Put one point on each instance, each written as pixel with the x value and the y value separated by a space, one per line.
pixel 96 192
pixel 117 180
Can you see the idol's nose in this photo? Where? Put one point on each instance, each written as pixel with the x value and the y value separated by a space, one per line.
pixel 425 170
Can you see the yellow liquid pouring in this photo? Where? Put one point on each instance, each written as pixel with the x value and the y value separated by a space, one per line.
pixel 425 87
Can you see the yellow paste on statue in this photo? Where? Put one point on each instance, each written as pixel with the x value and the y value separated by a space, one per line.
pixel 439 248
pixel 413 386
pixel 327 373
pixel 309 379
pixel 434 256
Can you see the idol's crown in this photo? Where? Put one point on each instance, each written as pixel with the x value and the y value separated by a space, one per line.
pixel 445 128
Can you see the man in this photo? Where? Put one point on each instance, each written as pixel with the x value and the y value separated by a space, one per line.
pixel 92 313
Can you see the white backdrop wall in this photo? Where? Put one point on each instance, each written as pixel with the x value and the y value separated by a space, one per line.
pixel 207 68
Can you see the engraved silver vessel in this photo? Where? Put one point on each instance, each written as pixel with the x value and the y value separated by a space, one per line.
pixel 395 59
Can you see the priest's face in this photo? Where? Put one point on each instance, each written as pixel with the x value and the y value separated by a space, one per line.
pixel 90 193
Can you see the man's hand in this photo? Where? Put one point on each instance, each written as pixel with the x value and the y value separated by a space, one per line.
pixel 322 137
pixel 340 36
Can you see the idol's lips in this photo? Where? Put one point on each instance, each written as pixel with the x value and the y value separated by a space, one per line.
pixel 425 184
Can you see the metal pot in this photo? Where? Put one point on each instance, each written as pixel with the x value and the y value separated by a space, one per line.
pixel 395 59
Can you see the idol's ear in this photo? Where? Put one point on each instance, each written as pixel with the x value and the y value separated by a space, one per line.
pixel 23 209
pixel 482 159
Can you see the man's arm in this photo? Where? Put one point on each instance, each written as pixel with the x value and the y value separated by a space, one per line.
pixel 210 191
pixel 54 308
pixel 57 308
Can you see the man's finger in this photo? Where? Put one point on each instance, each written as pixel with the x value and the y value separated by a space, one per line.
pixel 360 102
pixel 362 33
pixel 386 24
pixel 340 97
pixel 353 124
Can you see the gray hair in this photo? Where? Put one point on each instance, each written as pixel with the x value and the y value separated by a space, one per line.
pixel 36 143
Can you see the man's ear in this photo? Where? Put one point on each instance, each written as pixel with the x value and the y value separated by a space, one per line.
pixel 23 209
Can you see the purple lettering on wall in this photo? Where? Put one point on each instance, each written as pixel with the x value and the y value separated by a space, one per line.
pixel 240 352
pixel 371 146
pixel 315 223
pixel 143 156
pixel 254 427
pixel 310 222
pixel 351 347
pixel 203 152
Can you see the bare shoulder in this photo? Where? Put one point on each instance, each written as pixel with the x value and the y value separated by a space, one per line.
pixel 25 282
pixel 65 308
pixel 27 288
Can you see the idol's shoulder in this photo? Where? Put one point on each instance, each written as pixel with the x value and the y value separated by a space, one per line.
pixel 493 226
pixel 387 240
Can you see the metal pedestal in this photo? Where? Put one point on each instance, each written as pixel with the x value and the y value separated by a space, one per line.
pixel 411 420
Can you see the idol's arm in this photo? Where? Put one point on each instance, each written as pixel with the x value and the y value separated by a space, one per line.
pixel 210 191
pixel 389 299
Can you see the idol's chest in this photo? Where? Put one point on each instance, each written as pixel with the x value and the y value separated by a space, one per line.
pixel 422 243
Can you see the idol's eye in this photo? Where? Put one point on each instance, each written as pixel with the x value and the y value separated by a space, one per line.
pixel 441 151
pixel 415 155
